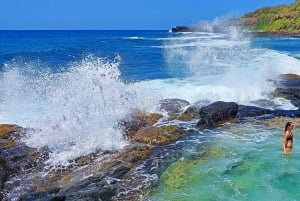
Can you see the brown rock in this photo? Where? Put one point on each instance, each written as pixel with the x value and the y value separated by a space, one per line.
pixel 158 135
pixel 290 76
pixel 192 112
pixel 139 120
pixel 9 131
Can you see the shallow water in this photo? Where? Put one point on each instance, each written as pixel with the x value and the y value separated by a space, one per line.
pixel 235 162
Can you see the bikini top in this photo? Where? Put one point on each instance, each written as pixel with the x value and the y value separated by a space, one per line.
pixel 290 136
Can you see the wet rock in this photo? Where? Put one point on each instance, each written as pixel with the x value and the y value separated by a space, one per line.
pixel 290 76
pixel 281 121
pixel 95 181
pixel 133 153
pixel 287 113
pixel 140 180
pixel 92 188
pixel 158 135
pixel 20 158
pixel 289 87
pixel 43 196
pixel 138 120
pixel 296 102
pixel 105 176
pixel 173 107
pixel 216 113
pixel 15 157
pixel 291 93
pixel 184 29
pixel 190 113
pixel 87 196
pixel 8 131
pixel 252 111
pixel 5 144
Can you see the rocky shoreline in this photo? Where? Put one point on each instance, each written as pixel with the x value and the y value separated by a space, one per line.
pixel 129 173
pixel 182 29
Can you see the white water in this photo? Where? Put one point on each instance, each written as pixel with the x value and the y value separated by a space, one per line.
pixel 74 112
pixel 223 67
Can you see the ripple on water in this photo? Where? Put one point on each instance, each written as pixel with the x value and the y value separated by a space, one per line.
pixel 240 162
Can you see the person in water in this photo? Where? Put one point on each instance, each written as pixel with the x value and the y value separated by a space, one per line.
pixel 287 143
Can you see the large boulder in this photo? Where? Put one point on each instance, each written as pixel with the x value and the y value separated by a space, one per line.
pixel 216 113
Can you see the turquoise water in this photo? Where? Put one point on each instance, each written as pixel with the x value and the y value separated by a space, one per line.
pixel 236 162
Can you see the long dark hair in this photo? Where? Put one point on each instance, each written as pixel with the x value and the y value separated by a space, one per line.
pixel 287 125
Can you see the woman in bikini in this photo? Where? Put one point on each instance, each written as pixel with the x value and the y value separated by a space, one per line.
pixel 287 142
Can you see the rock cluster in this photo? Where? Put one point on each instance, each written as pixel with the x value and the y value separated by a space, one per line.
pixel 120 175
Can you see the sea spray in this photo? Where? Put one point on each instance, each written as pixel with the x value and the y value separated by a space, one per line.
pixel 23 89
pixel 77 110
pixel 224 66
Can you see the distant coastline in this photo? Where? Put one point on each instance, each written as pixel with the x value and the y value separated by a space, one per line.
pixel 278 21
pixel 179 29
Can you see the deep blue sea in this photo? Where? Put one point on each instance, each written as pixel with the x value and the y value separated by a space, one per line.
pixel 75 86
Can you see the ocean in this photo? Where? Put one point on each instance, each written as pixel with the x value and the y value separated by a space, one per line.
pixel 74 87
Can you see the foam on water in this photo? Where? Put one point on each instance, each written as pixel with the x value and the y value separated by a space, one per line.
pixel 226 68
pixel 74 112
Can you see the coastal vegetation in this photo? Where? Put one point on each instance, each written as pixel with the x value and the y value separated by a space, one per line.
pixel 279 19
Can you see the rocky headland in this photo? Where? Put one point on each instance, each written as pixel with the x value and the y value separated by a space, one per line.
pixel 278 21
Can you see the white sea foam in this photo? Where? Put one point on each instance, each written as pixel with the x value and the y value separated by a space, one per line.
pixel 134 38
pixel 228 69
pixel 222 43
pixel 74 112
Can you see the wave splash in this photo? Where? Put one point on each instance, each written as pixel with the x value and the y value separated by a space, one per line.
pixel 224 66
pixel 74 112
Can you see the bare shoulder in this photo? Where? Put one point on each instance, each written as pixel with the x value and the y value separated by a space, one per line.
pixel 286 134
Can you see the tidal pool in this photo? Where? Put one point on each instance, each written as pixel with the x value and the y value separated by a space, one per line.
pixel 233 162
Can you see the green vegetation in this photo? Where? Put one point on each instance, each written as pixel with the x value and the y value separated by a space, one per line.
pixel 279 19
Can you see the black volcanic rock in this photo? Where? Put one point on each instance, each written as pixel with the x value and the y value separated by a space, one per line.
pixel 252 111
pixel 183 29
pixel 216 113
pixel 289 87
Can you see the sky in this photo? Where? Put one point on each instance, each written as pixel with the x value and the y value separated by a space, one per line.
pixel 120 14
